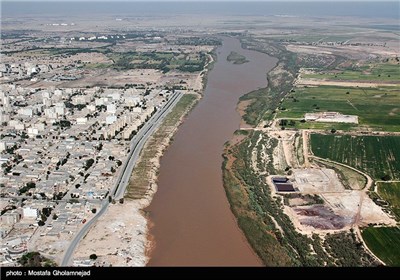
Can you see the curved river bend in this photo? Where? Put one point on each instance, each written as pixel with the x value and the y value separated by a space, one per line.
pixel 192 224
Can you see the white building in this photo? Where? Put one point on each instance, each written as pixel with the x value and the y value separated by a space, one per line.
pixel 81 120
pixel 111 119
pixel 132 101
pixel 91 108
pixel 333 117
pixel 60 109
pixel 32 132
pixel 30 213
pixel 26 112
pixel 3 146
pixel 111 108
pixel 10 218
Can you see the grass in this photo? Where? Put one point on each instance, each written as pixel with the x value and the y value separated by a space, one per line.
pixel 258 106
pixel 379 72
pixel 139 181
pixel 236 58
pixel 321 125
pixel 391 193
pixel 384 242
pixel 376 155
pixel 377 108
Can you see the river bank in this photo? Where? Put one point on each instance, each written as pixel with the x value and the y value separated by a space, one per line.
pixel 193 223
pixel 120 237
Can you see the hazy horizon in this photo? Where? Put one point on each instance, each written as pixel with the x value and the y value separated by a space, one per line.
pixel 332 1
pixel 238 7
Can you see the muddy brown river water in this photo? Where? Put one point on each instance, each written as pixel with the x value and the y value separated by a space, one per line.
pixel 192 224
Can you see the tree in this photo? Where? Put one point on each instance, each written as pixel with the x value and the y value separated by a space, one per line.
pixel 93 256
pixel 41 223
pixel 121 200
pixel 55 217
pixel 89 163
pixel 34 259
pixel 333 130
pixel 47 211
pixel 94 210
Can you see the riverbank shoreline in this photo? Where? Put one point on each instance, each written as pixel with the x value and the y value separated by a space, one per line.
pixel 126 224
pixel 190 211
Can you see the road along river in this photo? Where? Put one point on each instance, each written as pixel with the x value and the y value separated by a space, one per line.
pixel 191 222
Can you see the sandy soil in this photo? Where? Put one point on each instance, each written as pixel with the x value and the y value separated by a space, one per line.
pixel 340 212
pixel 118 238
pixel 356 52
pixel 317 180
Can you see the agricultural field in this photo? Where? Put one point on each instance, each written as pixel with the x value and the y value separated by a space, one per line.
pixel 301 124
pixel 384 242
pixel 378 156
pixel 378 72
pixel 377 108
pixel 391 193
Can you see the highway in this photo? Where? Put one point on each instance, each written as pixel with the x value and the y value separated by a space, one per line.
pixel 118 190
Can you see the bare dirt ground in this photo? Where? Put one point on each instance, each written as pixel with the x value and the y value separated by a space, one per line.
pixel 317 180
pixel 354 52
pixel 118 238
pixel 117 78
pixel 341 209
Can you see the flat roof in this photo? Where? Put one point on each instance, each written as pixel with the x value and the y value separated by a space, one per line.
pixel 284 187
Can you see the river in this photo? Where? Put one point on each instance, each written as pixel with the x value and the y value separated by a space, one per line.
pixel 192 224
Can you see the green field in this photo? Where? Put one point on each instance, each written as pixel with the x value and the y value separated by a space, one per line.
pixel 376 108
pixel 385 243
pixel 376 155
pixel 391 193
pixel 382 72
pixel 298 124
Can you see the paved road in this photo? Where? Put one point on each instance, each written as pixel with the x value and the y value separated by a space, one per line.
pixel 119 188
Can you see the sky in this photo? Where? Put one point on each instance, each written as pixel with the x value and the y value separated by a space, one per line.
pixel 197 0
